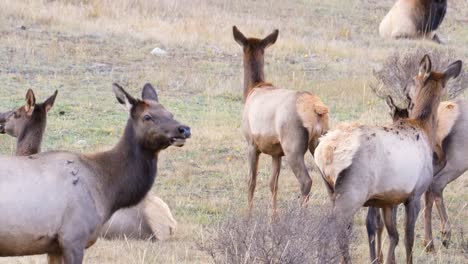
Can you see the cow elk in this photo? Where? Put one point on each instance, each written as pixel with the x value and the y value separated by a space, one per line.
pixel 276 121
pixel 364 165
pixel 414 19
pixel 27 123
pixel 55 203
pixel 452 141
pixel 150 219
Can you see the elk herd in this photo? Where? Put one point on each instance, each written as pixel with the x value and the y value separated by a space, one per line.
pixel 416 155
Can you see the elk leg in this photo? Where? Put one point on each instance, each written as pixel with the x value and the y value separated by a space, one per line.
pixel 412 208
pixel 346 205
pixel 73 255
pixel 296 161
pixel 276 167
pixel 54 258
pixel 253 155
pixel 374 226
pixel 428 239
pixel 389 215
pixel 446 228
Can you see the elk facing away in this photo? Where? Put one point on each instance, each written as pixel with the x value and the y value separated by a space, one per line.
pixel 275 121
pixel 452 140
pixel 70 196
pixel 413 19
pixel 150 219
pixel 385 166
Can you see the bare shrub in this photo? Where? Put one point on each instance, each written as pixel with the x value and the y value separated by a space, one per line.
pixel 399 68
pixel 296 236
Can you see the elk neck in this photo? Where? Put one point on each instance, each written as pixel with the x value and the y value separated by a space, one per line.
pixel 424 113
pixel 126 173
pixel 253 71
pixel 30 139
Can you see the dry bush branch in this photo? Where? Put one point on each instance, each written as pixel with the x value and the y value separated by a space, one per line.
pixel 400 67
pixel 296 236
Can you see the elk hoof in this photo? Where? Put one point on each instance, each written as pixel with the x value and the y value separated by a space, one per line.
pixel 429 247
pixel 446 243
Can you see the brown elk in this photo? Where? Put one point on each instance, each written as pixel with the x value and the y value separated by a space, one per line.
pixel 151 219
pixel 275 121
pixel 451 139
pixel 27 124
pixel 70 196
pixel 413 19
pixel 364 165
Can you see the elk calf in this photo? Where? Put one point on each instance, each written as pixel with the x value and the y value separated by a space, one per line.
pixel 276 121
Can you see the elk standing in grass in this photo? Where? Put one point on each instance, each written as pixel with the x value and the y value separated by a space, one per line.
pixel 385 166
pixel 70 196
pixel 275 121
pixel 413 19
pixel 452 140
pixel 150 219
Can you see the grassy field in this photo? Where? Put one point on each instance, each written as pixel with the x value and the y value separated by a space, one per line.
pixel 328 47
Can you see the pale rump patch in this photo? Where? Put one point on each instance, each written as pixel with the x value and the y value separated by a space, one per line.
pixel 159 217
pixel 336 150
pixel 313 113
pixel 447 115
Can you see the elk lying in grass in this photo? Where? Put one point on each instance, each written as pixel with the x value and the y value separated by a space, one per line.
pixel 275 121
pixel 151 219
pixel 413 19
pixel 27 124
pixel 90 187
pixel 451 138
pixel 364 165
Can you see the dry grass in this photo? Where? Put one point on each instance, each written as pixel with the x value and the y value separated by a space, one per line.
pixel 327 47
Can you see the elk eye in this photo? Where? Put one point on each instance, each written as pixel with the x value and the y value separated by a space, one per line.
pixel 147 118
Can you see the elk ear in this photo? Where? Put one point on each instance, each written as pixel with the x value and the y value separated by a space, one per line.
pixel 123 97
pixel 453 70
pixel 149 93
pixel 270 39
pixel 239 37
pixel 425 67
pixel 50 101
pixel 390 103
pixel 30 102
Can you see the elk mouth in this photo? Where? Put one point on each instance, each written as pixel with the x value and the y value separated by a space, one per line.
pixel 177 141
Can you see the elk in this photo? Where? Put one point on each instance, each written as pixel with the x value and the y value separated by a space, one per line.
pixel 414 19
pixel 363 165
pixel 70 195
pixel 275 121
pixel 27 124
pixel 451 139
pixel 151 219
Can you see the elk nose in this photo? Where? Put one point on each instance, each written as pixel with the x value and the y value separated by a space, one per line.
pixel 185 131
pixel 2 129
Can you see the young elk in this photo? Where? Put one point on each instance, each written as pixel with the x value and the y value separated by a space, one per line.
pixel 275 121
pixel 385 166
pixel 27 124
pixel 151 219
pixel 414 19
pixel 451 124
pixel 91 187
